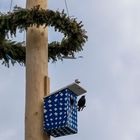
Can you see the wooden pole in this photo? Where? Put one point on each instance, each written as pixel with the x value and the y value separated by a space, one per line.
pixel 36 70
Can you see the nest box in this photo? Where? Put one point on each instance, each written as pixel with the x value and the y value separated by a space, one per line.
pixel 60 111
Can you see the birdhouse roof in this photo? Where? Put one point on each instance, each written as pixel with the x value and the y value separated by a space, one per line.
pixel 75 88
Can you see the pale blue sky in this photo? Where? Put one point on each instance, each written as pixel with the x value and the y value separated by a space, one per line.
pixel 109 71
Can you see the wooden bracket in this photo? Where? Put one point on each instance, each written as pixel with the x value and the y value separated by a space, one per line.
pixel 46 86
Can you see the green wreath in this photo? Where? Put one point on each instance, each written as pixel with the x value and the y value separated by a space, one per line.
pixel 73 40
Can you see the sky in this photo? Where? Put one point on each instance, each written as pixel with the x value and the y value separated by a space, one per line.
pixel 109 71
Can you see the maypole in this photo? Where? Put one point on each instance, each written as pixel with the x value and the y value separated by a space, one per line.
pixel 35 18
pixel 36 74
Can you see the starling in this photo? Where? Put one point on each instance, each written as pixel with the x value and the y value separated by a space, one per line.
pixel 77 81
pixel 81 103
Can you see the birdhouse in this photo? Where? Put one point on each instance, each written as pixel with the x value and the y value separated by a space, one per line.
pixel 60 111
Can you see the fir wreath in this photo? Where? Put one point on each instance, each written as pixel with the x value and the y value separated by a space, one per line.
pixel 73 40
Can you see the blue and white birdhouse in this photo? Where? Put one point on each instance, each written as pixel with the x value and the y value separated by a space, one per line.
pixel 60 111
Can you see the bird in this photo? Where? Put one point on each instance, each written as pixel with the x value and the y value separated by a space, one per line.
pixel 77 81
pixel 81 103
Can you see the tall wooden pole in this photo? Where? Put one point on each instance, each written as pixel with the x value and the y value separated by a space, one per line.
pixel 36 71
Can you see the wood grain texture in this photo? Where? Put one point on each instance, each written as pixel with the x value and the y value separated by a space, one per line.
pixel 36 70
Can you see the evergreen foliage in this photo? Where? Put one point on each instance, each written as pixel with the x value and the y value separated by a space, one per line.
pixel 72 42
